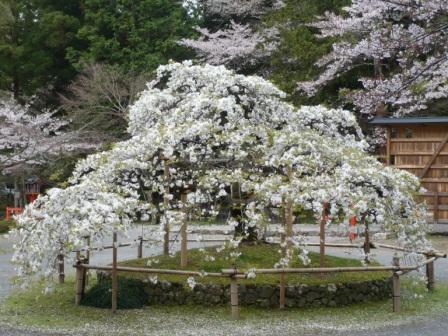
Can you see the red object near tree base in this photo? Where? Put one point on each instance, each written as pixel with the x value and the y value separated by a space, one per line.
pixel 352 222
pixel 12 211
pixel 31 197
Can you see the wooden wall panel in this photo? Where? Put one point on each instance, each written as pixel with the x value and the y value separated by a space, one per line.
pixel 411 149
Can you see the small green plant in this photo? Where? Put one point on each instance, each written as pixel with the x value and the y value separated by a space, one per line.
pixel 6 225
pixel 131 294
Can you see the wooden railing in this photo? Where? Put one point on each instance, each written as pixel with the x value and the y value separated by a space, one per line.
pixel 82 265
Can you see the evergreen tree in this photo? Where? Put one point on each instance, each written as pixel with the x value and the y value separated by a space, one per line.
pixel 135 36
pixel 33 45
pixel 5 13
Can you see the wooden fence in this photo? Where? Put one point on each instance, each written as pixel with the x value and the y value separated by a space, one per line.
pixel 437 205
pixel 397 270
pixel 422 149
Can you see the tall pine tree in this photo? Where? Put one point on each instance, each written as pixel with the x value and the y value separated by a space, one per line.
pixel 33 44
pixel 133 35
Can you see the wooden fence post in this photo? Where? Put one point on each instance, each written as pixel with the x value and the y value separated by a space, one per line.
pixel 396 286
pixel 286 239
pixel 87 261
pixel 234 298
pixel 184 236
pixel 61 269
pixel 114 273
pixel 79 282
pixel 430 274
pixel 166 237
pixel 322 236
pixel 140 247
pixel 289 221
pixel 366 241
pixel 282 291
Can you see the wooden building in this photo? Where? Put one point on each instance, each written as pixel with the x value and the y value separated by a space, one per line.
pixel 420 146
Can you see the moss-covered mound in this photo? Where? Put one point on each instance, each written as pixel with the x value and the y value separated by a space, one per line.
pixel 252 256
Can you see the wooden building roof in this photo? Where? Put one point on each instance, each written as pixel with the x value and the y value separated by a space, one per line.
pixel 409 121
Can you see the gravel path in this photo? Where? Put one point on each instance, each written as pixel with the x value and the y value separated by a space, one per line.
pixel 7 331
pixel 7 269
pixel 434 327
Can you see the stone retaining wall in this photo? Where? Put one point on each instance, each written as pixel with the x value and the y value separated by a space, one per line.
pixel 265 296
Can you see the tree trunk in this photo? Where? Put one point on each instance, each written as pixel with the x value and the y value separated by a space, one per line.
pixel 323 222
pixel 366 242
pixel 378 73
pixel 23 191
pixel 16 195
pixel 237 213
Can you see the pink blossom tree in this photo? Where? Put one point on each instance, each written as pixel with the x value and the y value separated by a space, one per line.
pixel 403 42
pixel 28 139
pixel 233 35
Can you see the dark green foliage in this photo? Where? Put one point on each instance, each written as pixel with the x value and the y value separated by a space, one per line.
pixel 44 42
pixel 33 46
pixel 131 294
pixel 300 48
pixel 133 35
pixel 5 225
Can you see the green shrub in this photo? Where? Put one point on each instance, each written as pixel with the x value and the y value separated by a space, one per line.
pixel 6 225
pixel 131 294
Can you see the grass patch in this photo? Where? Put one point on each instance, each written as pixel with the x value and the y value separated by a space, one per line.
pixel 56 311
pixel 6 225
pixel 254 256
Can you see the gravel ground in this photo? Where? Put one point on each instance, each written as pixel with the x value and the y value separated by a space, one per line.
pixel 433 327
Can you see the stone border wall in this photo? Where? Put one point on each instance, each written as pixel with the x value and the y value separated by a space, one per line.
pixel 266 296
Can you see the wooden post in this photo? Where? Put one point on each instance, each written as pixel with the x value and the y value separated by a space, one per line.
pixel 366 242
pixel 282 291
pixel 396 287
pixel 430 274
pixel 234 298
pixel 322 236
pixel 61 267
pixel 87 261
pixel 283 213
pixel 184 237
pixel 79 282
pixel 88 249
pixel 288 220
pixel 286 239
pixel 166 237
pixel 140 247
pixel 114 273
pixel 288 214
